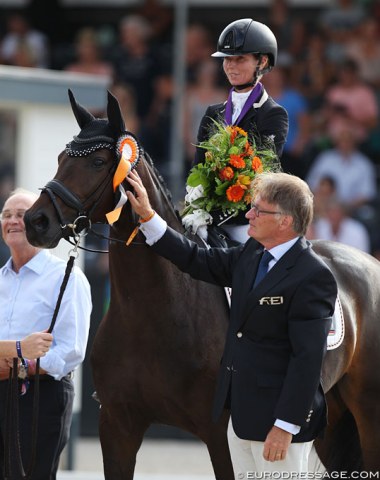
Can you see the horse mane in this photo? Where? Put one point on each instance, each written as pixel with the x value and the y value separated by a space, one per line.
pixel 156 174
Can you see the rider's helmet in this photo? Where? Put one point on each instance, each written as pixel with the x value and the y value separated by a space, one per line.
pixel 247 36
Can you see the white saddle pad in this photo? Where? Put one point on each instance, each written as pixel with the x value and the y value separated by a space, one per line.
pixel 336 334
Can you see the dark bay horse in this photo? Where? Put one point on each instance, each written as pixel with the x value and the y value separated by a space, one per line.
pixel 157 351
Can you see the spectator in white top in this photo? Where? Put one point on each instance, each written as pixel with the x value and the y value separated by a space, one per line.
pixel 339 227
pixel 20 39
pixel 353 172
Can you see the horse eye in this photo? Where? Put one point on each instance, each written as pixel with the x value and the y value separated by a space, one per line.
pixel 98 162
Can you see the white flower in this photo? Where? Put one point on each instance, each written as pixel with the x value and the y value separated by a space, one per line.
pixel 193 193
pixel 197 221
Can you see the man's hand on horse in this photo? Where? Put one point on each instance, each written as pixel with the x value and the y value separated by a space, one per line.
pixel 140 200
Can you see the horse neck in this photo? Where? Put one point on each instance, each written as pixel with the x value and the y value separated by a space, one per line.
pixel 160 201
pixel 138 255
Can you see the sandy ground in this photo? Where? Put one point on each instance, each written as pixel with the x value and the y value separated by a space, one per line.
pixel 156 460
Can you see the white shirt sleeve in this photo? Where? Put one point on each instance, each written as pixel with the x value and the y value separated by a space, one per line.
pixel 154 229
pixel 288 427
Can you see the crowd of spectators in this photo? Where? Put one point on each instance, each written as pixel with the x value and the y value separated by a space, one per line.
pixel 327 77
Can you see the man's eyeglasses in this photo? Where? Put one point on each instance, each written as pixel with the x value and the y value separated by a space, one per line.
pixel 8 214
pixel 259 212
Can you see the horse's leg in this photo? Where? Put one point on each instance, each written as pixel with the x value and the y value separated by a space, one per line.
pixel 366 411
pixel 217 445
pixel 121 433
pixel 370 436
pixel 340 449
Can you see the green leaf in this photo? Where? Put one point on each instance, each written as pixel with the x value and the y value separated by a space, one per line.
pixel 197 177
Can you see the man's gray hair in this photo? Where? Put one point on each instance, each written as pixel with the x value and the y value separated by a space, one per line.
pixel 291 194
pixel 23 191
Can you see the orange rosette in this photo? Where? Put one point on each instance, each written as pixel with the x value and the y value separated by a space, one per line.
pixel 128 151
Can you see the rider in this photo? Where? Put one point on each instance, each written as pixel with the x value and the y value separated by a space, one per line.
pixel 249 50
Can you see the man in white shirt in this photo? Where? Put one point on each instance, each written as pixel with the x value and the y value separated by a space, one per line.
pixel 29 287
pixel 280 316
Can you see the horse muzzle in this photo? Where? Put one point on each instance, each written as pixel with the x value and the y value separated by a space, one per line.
pixel 40 230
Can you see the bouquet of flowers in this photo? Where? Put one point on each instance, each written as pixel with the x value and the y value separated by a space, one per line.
pixel 222 181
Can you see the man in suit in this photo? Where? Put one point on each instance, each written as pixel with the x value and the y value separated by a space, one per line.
pixel 271 367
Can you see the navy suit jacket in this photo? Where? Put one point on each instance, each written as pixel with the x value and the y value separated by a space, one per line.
pixel 267 120
pixel 276 340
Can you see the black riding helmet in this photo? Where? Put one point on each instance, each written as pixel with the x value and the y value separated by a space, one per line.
pixel 248 36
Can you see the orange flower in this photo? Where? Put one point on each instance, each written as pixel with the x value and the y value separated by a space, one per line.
pixel 234 131
pixel 236 192
pixel 233 135
pixel 248 198
pixel 257 165
pixel 248 151
pixel 237 161
pixel 241 131
pixel 226 173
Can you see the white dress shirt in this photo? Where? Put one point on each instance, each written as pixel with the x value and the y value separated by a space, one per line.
pixel 155 228
pixel 27 302
pixel 238 102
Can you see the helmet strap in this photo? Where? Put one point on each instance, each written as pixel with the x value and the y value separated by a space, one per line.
pixel 256 75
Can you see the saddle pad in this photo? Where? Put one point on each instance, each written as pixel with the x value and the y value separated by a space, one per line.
pixel 336 334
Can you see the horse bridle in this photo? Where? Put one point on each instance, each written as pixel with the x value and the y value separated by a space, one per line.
pixel 82 224
pixel 55 188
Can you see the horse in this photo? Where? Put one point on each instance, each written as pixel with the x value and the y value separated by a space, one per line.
pixel 157 351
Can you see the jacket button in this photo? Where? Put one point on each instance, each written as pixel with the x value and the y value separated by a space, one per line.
pixel 239 334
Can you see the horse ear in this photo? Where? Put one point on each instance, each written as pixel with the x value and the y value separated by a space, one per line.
pixel 115 117
pixel 82 115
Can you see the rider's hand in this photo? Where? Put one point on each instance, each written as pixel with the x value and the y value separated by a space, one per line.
pixel 140 201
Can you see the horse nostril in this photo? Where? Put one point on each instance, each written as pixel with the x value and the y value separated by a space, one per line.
pixel 39 222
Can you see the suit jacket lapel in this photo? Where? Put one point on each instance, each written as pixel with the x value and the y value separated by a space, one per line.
pixel 246 276
pixel 275 275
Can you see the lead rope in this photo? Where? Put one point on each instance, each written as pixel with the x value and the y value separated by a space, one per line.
pixel 12 430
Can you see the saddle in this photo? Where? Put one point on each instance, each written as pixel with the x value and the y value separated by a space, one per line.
pixel 218 237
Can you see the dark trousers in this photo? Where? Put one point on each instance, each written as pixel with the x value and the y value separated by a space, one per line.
pixel 55 413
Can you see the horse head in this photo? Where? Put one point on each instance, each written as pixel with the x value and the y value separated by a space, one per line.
pixel 83 188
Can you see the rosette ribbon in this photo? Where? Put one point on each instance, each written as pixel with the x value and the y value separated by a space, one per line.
pixel 128 152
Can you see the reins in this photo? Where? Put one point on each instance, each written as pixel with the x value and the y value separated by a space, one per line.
pixel 12 419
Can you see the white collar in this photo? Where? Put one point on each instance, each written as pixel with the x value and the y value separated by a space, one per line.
pixel 239 99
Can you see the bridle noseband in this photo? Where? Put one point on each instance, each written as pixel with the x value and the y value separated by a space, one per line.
pixel 80 226
pixel 56 188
